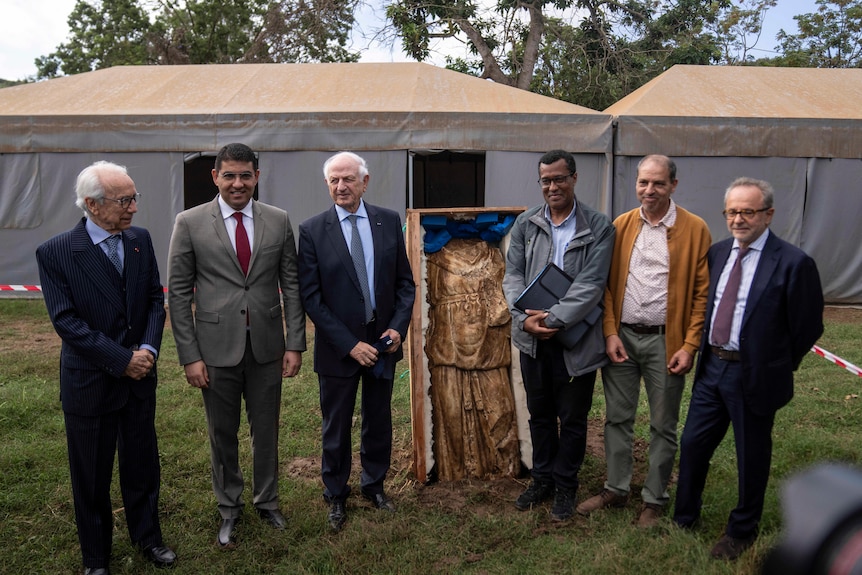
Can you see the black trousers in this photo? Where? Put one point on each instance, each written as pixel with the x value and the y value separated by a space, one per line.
pixel 552 396
pixel 92 442
pixel 717 401
pixel 337 403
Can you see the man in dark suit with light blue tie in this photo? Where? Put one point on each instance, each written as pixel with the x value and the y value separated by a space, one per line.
pixel 102 290
pixel 764 312
pixel 357 288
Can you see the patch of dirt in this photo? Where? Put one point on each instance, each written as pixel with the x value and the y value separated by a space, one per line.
pixel 30 337
pixel 842 314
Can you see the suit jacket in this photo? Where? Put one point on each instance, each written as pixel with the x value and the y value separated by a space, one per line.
pixel 203 269
pixel 783 318
pixel 332 296
pixel 100 317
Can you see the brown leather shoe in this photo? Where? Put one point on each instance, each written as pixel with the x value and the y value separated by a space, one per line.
pixel 649 515
pixel 603 500
pixel 730 548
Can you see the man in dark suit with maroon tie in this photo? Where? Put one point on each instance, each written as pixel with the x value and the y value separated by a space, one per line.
pixel 102 290
pixel 764 312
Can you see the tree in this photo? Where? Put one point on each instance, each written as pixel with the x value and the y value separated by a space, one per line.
pixel 739 28
pixel 306 31
pixel 533 44
pixel 103 34
pixel 831 37
pixel 120 32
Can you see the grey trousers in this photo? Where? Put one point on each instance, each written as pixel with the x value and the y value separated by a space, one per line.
pixel 260 385
pixel 621 381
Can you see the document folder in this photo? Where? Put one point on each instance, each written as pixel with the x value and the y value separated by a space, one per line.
pixel 546 290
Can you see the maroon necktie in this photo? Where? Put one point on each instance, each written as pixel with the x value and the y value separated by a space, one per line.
pixel 243 251
pixel 724 313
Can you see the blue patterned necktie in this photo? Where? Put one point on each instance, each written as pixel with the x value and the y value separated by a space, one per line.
pixel 113 255
pixel 358 255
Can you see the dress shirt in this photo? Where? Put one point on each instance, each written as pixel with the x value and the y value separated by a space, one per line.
pixel 749 267
pixel 364 226
pixel 230 222
pixel 99 235
pixel 561 235
pixel 645 299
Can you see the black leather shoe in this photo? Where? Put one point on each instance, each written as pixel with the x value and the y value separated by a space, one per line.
pixel 380 501
pixel 274 517
pixel 225 532
pixel 337 515
pixel 96 571
pixel 730 548
pixel 161 556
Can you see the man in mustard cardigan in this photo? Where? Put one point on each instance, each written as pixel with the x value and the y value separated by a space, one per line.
pixel 653 321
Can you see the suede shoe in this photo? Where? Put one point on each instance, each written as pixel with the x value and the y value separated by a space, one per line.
pixel 649 515
pixel 537 492
pixel 564 504
pixel 380 501
pixel 337 515
pixel 274 517
pixel 603 500
pixel 730 548
pixel 161 556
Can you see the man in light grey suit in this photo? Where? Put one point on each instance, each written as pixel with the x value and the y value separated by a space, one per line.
pixel 227 261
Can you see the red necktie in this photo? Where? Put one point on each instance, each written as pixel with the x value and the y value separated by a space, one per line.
pixel 243 251
pixel 724 313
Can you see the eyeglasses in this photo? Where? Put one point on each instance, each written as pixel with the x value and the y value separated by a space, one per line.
pixel 559 180
pixel 243 176
pixel 746 214
pixel 125 202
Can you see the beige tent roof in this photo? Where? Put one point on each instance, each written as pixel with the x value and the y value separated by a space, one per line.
pixel 289 106
pixel 744 111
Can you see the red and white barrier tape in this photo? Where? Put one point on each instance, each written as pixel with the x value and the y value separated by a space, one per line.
pixel 30 288
pixel 837 360
pixel 20 288
pixel 815 349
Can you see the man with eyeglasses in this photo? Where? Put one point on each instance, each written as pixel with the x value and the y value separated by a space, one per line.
pixel 232 274
pixel 558 380
pixel 764 312
pixel 653 322
pixel 102 290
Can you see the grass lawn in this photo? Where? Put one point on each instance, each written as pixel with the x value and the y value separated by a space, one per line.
pixel 462 527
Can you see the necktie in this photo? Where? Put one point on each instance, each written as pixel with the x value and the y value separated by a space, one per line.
pixel 243 251
pixel 724 313
pixel 358 255
pixel 113 255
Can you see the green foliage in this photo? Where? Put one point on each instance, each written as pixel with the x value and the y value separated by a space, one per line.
pixel 103 34
pixel 831 37
pixel 468 527
pixel 123 32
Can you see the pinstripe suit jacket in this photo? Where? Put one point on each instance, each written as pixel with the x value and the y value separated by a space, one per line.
pixel 100 318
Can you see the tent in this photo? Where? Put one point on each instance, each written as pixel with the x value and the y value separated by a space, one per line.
pixel 157 120
pixel 800 129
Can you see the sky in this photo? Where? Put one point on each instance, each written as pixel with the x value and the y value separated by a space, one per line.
pixel 36 27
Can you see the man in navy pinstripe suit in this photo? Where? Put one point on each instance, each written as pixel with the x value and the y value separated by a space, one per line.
pixel 102 290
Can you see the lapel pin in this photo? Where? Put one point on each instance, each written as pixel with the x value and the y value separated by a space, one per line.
pixel 137 250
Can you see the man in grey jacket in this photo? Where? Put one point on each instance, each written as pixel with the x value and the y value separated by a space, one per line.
pixel 558 379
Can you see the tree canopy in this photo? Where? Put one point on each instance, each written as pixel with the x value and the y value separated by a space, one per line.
pixel 108 33
pixel 588 52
